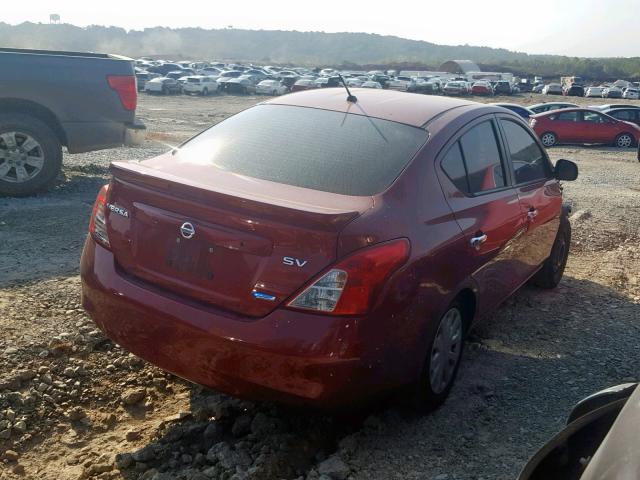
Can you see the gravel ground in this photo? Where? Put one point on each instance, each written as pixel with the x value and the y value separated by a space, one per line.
pixel 74 405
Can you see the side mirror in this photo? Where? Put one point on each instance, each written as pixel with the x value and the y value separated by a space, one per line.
pixel 566 170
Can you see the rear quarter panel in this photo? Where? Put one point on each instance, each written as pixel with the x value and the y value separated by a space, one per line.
pixel 394 335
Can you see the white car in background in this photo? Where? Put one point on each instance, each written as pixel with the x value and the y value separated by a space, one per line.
pixel 552 89
pixel 631 94
pixel 400 83
pixel 593 92
pixel 199 84
pixel 371 84
pixel 271 87
pixel 354 82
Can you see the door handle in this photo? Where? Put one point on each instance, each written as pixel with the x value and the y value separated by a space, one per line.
pixel 477 241
pixel 532 214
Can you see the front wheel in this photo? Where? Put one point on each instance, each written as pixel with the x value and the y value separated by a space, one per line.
pixel 205 92
pixel 443 360
pixel 30 155
pixel 624 140
pixel 549 139
pixel 550 274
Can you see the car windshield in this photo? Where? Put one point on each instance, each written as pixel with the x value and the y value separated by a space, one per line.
pixel 287 144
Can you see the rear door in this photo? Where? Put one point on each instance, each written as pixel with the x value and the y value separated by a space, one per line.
pixel 538 192
pixel 567 125
pixel 487 209
pixel 596 128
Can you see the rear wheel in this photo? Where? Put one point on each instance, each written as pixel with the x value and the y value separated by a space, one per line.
pixel 550 274
pixel 442 361
pixel 30 155
pixel 549 139
pixel 205 92
pixel 624 140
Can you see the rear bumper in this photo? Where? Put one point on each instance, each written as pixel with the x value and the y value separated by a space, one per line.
pixel 286 356
pixel 89 136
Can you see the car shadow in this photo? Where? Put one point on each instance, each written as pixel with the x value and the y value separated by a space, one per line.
pixel 523 368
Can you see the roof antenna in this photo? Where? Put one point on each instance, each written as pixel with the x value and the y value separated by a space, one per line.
pixel 350 98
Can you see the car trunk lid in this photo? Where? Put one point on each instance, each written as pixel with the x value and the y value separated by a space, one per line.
pixel 227 240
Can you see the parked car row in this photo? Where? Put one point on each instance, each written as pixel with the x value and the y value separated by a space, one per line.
pixel 270 80
pixel 576 90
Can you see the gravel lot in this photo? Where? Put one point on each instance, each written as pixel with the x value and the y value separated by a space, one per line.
pixel 73 405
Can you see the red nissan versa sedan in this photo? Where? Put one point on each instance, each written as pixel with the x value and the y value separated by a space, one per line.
pixel 581 125
pixel 317 250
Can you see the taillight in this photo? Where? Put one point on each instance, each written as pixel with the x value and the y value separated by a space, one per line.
pixel 98 222
pixel 349 287
pixel 125 87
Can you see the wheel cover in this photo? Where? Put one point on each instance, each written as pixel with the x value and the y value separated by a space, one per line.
pixel 624 141
pixel 21 157
pixel 548 139
pixel 445 352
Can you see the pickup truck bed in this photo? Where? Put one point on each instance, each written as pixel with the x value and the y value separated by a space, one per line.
pixel 84 101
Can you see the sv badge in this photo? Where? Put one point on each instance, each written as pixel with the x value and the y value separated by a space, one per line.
pixel 294 262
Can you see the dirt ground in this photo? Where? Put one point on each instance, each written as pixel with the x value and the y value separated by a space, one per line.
pixel 74 405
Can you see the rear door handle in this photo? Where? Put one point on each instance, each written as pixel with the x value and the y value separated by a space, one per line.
pixel 477 241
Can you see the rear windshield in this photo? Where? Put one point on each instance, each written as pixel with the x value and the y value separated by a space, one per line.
pixel 309 148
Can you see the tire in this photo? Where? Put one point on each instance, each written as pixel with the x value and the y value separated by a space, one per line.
pixel 165 91
pixel 46 148
pixel 624 140
pixel 274 93
pixel 205 92
pixel 435 383
pixel 550 274
pixel 548 139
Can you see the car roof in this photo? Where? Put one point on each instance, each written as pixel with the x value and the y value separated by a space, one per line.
pixel 551 103
pixel 407 108
pixel 505 104
pixel 564 110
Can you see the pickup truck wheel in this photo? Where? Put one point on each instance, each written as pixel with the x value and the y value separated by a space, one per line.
pixel 550 274
pixel 30 155
pixel 446 340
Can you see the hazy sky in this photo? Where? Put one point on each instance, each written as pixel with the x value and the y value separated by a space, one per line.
pixel 568 27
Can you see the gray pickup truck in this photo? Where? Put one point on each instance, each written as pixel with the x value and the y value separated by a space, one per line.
pixel 48 99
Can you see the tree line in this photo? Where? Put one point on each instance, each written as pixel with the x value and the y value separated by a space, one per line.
pixel 304 49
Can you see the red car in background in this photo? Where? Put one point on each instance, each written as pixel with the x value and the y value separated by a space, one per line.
pixel 583 125
pixel 303 84
pixel 482 88
pixel 315 250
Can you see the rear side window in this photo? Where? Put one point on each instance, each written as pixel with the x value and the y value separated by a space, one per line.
pixel 453 166
pixel 482 158
pixel 568 117
pixel 311 148
pixel 593 117
pixel 529 161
